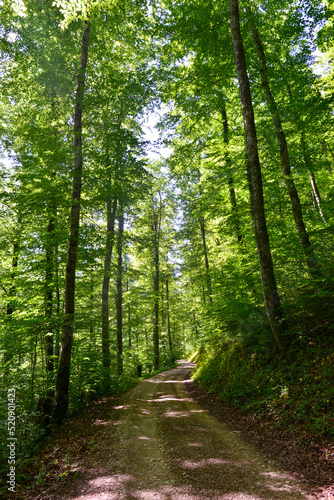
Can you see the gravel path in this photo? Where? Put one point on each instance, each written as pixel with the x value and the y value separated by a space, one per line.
pixel 161 445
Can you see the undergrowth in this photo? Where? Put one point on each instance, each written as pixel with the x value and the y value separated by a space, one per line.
pixel 294 389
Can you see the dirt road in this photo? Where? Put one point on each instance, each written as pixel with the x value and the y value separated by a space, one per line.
pixel 159 444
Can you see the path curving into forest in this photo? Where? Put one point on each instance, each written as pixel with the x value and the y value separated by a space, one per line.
pixel 160 444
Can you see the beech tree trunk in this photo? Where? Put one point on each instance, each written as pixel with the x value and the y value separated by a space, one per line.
pixel 310 258
pixel 329 166
pixel 315 190
pixel 33 368
pixel 170 342
pixel 50 258
pixel 233 199
pixel 316 196
pixel 206 259
pixel 119 299
pixel 63 375
pixel 156 224
pixel 129 327
pixel 111 213
pixel 272 301
pixel 49 363
pixel 156 309
pixel 8 354
pixel 57 329
pixel 12 290
pixel 129 318
pixel 205 250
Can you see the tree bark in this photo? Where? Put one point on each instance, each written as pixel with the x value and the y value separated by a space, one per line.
pixel 325 146
pixel 48 345
pixel 8 354
pixel 12 290
pixel 33 368
pixel 156 224
pixel 315 190
pixel 206 260
pixel 92 320
pixel 170 342
pixel 233 199
pixel 57 332
pixel 119 300
pixel 205 250
pixel 129 327
pixel 156 309
pixel 285 161
pixel 129 318
pixel 50 258
pixel 63 375
pixel 272 301
pixel 316 196
pixel 111 213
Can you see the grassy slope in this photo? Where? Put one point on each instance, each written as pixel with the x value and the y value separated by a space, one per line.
pixel 292 390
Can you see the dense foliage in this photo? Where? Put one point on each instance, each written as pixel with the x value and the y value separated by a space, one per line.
pixel 224 246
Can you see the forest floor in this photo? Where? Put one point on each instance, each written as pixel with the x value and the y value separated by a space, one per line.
pixel 157 442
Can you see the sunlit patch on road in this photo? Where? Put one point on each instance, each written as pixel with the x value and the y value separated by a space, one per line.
pixel 176 414
pixel 101 422
pixel 188 464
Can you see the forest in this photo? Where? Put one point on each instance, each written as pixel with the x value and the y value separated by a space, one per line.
pixel 166 181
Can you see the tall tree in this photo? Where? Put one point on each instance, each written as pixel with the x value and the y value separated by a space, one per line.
pixel 205 249
pixel 156 207
pixel 63 375
pixel 170 340
pixel 119 293
pixel 8 354
pixel 111 214
pixel 49 271
pixel 228 161
pixel 272 300
pixel 296 206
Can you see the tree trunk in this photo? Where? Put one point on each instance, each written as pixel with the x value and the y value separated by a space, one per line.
pixel 111 213
pixel 12 290
pixel 50 258
pixel 315 190
pixel 271 298
pixel 57 332
pixel 285 162
pixel 8 354
pixel 119 300
pixel 63 375
pixel 170 342
pixel 33 368
pixel 48 346
pixel 316 195
pixel 196 325
pixel 129 318
pixel 129 327
pixel 325 146
pixel 205 250
pixel 206 259
pixel 228 161
pixel 156 309
pixel 203 293
pixel 156 237
pixel 92 320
